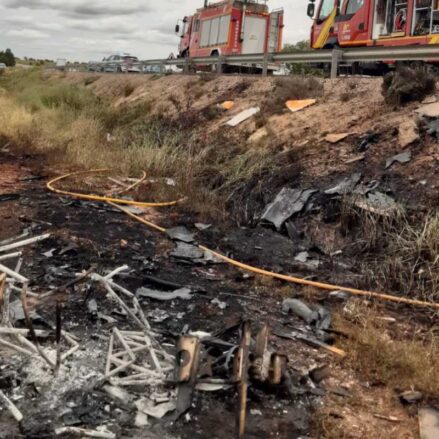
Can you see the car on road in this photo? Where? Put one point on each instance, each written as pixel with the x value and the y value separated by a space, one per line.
pixel 121 62
pixel 2 66
pixel 94 66
pixel 152 69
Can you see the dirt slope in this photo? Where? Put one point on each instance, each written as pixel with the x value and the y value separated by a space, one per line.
pixel 354 106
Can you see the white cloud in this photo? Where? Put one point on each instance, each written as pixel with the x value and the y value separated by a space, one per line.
pixel 27 34
pixel 90 29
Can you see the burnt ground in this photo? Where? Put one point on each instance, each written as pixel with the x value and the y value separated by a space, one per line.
pixel 86 234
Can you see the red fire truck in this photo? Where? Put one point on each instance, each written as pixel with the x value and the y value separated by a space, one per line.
pixel 347 23
pixel 231 27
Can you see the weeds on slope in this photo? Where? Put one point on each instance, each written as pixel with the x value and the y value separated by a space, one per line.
pixel 400 252
pixel 410 261
pixel 399 360
pixel 74 127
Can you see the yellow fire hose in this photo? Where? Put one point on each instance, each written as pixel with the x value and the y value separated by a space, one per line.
pixel 115 202
pixel 90 197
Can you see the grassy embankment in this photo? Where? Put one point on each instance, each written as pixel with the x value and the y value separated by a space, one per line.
pixel 74 127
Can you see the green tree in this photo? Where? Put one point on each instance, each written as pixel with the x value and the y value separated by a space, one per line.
pixel 298 47
pixel 7 57
pixel 298 68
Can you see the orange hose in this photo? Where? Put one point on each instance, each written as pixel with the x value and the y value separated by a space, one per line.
pixel 99 197
pixel 324 286
pixel 138 218
pixel 320 285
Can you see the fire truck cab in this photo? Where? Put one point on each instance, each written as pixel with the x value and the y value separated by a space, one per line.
pixel 347 23
pixel 230 27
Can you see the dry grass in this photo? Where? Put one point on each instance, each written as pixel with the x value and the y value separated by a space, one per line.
pixel 410 264
pixel 400 359
pixel 401 253
pixel 15 122
pixel 74 127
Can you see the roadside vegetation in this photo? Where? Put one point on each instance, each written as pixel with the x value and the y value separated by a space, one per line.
pixel 73 126
pixel 382 354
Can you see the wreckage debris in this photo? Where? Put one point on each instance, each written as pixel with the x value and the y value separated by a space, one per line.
pixel 297 105
pixel 104 434
pixel 378 203
pixel 127 350
pixel 429 110
pixel 11 407
pixel 433 127
pixel 403 157
pixel 180 234
pixel 301 309
pixel 335 138
pixel 345 186
pixel 410 397
pixel 181 293
pixel 287 203
pixel 9 197
pixel 428 423
pixel 244 115
pixel 14 245
pixel 227 105
pixel 407 132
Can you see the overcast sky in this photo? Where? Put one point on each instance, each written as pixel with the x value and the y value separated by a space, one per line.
pixel 83 30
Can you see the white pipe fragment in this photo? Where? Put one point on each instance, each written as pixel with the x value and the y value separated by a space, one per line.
pixel 19 331
pixel 141 313
pixel 110 352
pixel 121 289
pixel 10 256
pixel 137 368
pixel 15 238
pixel 122 304
pixel 13 274
pixel 83 432
pixel 15 347
pixel 69 352
pixel 70 337
pixel 19 264
pixel 25 341
pixel 13 287
pixel 11 407
pixel 120 183
pixel 116 271
pixel 124 343
pixel 118 369
pixel 148 382
pixel 5 311
pixel 123 353
pixel 29 241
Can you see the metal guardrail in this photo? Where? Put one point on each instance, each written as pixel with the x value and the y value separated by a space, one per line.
pixel 334 57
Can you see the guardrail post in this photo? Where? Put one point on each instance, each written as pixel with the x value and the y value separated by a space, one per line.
pixel 186 66
pixel 265 64
pixel 337 55
pixel 219 65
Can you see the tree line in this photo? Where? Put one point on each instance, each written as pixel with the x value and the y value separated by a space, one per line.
pixel 7 57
